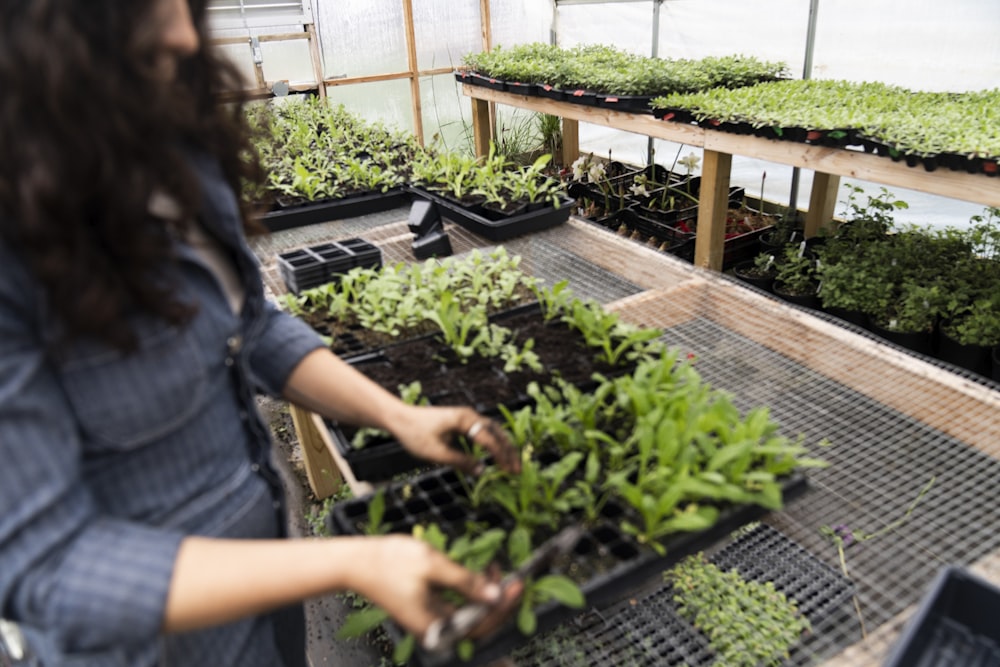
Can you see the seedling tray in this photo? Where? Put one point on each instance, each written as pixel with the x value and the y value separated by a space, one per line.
pixel 334 209
pixel 319 264
pixel 477 222
pixel 626 103
pixel 956 624
pixel 465 384
pixel 607 563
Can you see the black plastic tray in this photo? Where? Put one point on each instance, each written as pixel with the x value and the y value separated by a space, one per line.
pixel 319 264
pixel 956 624
pixel 382 459
pixel 336 209
pixel 626 103
pixel 650 630
pixel 438 496
pixel 544 217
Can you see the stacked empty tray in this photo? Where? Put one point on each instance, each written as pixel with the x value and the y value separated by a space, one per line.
pixel 319 264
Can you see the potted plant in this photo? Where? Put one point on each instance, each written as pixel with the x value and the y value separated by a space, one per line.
pixel 911 317
pixel 759 271
pixel 795 280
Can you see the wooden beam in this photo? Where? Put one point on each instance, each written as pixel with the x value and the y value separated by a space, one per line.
pixel 822 201
pixel 712 209
pixel 644 124
pixel 486 24
pixel 862 166
pixel 977 188
pixel 279 37
pixel 316 58
pixel 486 33
pixel 411 60
pixel 368 78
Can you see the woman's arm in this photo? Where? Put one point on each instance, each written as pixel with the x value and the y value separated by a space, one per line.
pixel 325 384
pixel 400 574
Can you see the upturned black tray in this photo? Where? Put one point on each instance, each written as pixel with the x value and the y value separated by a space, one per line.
pixel 956 624
pixel 334 209
pixel 607 563
pixel 473 219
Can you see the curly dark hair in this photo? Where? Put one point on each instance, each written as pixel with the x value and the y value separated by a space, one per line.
pixel 88 133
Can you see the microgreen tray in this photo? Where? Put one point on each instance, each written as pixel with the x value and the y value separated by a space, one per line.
pixel 607 563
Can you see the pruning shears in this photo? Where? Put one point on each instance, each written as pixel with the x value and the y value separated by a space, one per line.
pixel 444 633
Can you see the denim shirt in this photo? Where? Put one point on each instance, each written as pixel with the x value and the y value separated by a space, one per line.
pixel 108 460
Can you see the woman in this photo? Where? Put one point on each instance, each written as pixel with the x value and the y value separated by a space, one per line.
pixel 139 513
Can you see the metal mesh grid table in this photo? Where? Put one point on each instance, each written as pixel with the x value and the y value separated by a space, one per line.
pixel 895 421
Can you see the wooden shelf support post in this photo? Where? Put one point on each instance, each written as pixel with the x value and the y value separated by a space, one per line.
pixel 709 244
pixel 481 126
pixel 570 141
pixel 822 201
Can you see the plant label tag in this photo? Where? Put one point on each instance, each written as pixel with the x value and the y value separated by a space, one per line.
pixel 802 249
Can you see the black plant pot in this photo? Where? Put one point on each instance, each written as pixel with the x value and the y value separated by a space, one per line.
pixel 853 316
pixel 996 363
pixel 745 271
pixel 774 241
pixel 806 300
pixel 976 358
pixel 921 342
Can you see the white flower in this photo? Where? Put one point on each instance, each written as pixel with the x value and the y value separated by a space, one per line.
pixel 596 172
pixel 690 163
pixel 579 167
pixel 639 189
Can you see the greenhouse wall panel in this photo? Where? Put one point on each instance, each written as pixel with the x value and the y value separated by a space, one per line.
pixel 628 26
pixel 288 61
pixel 446 30
pixel 385 101
pixel 361 37
pixel 447 115
pixel 767 29
pixel 520 21
pixel 922 44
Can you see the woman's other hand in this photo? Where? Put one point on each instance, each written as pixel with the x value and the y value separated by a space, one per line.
pixel 428 432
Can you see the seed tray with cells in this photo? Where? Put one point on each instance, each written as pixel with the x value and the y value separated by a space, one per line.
pixel 607 563
pixel 480 382
pixel 652 633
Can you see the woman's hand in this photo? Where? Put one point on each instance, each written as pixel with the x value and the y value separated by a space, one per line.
pixel 427 432
pixel 406 577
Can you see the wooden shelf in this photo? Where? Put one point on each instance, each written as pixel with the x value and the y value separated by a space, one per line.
pixel 829 164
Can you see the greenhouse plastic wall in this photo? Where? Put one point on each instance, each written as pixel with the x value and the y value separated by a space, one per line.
pixel 287 60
